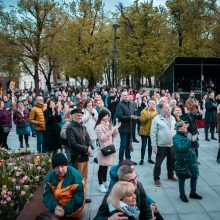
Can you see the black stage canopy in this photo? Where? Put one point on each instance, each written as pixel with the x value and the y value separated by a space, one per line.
pixel 192 73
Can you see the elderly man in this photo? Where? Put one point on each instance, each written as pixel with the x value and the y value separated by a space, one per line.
pixel 64 189
pixel 36 118
pixel 125 113
pixel 79 144
pixel 126 173
pixel 162 132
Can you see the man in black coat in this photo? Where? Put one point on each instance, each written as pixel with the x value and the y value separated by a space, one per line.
pixel 126 173
pixel 79 144
pixel 210 116
pixel 125 113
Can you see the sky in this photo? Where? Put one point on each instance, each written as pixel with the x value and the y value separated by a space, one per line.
pixel 109 4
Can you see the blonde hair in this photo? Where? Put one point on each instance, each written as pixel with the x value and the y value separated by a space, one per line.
pixel 118 192
pixel 218 109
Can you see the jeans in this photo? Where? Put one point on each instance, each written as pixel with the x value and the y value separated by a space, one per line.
pixel 20 137
pixel 144 140
pixel 102 174
pixel 193 183
pixel 33 131
pixel 163 152
pixel 211 126
pixel 41 139
pixel 124 147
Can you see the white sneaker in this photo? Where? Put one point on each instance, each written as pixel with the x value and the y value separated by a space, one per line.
pixel 102 188
pixel 106 184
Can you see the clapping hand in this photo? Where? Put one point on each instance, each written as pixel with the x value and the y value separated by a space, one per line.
pixel 59 211
pixel 194 137
pixel 117 125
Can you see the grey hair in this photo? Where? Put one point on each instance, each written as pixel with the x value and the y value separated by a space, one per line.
pixel 124 170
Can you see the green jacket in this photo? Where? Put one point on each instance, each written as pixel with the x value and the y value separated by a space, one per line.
pixel 185 153
pixel 72 176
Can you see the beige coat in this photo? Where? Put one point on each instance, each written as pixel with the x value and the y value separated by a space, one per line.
pixel 106 137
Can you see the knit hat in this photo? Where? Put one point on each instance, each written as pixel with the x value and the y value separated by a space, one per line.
pixel 179 124
pixel 59 159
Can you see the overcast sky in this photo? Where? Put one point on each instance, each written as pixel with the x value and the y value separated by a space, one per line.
pixel 109 4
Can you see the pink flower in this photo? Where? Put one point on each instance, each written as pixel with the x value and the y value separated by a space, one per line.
pixel 8 199
pixel 9 193
pixel 39 167
pixel 22 181
pixel 23 193
pixel 5 196
pixel 13 180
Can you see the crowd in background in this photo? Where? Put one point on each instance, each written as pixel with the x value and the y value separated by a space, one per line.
pixel 84 123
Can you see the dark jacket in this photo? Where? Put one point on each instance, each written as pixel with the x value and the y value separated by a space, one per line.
pixel 72 176
pixel 112 103
pixel 145 210
pixel 78 141
pixel 190 119
pixel 185 153
pixel 124 110
pixel 8 104
pixel 5 117
pixel 124 215
pixel 211 110
pixel 19 120
pixel 52 130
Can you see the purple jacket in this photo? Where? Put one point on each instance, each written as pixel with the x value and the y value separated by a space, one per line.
pixel 5 117
pixel 19 120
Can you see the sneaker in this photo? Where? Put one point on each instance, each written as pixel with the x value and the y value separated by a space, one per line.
pixel 106 184
pixel 151 161
pixel 88 201
pixel 173 178
pixel 157 183
pixel 195 196
pixel 213 138
pixel 136 141
pixel 101 188
pixel 184 198
pixel 141 162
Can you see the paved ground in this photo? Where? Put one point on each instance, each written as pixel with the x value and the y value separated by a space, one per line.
pixel 167 196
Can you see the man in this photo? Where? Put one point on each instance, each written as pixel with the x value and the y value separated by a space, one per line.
pixel 125 114
pixel 79 144
pixel 162 132
pixel 7 103
pixel 37 119
pixel 210 116
pixel 64 189
pixel 126 173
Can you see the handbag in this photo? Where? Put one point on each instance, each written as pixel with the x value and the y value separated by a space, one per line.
pixel 183 172
pixel 6 129
pixel 200 123
pixel 110 149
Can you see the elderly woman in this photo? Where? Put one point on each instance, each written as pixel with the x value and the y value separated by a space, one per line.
pixel 186 165
pixel 89 119
pixel 106 134
pixel 21 120
pixel 64 193
pixel 122 199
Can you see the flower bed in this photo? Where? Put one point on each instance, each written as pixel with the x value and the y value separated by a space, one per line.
pixel 19 178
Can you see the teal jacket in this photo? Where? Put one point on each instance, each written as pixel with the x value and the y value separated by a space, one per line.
pixel 72 176
pixel 185 153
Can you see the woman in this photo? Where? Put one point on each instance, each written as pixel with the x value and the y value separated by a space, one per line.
pixel 146 118
pixel 52 123
pixel 186 165
pixel 21 120
pixel 89 119
pixel 106 134
pixel 123 199
pixel 5 125
pixel 190 117
pixel 177 113
pixel 179 101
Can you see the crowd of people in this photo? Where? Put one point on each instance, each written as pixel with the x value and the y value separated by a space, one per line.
pixel 83 124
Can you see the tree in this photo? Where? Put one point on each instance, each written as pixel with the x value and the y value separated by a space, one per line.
pixel 84 47
pixel 36 22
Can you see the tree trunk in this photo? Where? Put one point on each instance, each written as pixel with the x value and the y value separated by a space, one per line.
pixel 127 81
pixel 91 82
pixel 150 82
pixel 36 78
pixel 48 84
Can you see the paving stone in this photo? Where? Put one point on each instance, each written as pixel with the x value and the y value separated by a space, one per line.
pixel 214 215
pixel 193 216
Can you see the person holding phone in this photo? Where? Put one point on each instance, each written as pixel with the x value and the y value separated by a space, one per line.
pixel 186 165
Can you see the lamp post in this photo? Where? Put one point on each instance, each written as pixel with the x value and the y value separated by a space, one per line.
pixel 115 58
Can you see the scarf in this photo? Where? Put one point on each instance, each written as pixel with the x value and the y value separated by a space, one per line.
pixel 131 211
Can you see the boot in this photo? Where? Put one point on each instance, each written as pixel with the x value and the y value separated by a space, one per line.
pixel 218 156
pixel 21 145
pixel 207 137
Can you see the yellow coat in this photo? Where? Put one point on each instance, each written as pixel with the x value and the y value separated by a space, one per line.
pixel 146 120
pixel 36 117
